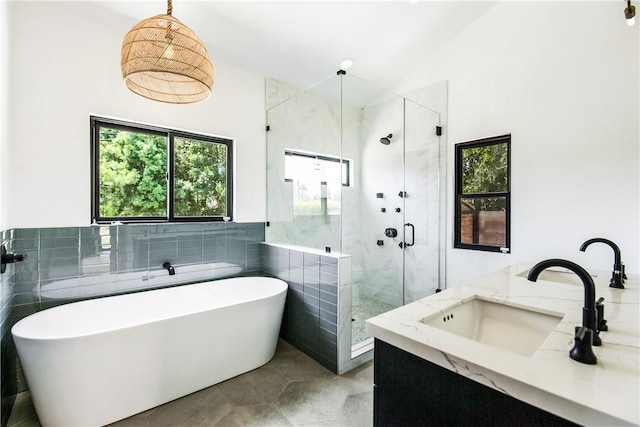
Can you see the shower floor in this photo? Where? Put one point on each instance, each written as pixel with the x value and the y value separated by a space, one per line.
pixel 367 307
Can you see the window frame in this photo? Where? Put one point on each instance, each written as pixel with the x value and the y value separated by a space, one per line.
pixel 459 195
pixel 97 122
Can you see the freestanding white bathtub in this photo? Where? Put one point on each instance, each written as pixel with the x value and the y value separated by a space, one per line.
pixel 98 361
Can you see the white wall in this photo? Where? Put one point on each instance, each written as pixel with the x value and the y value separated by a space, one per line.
pixel 563 79
pixel 65 67
pixel 5 164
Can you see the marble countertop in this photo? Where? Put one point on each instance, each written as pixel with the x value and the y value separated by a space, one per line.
pixel 604 394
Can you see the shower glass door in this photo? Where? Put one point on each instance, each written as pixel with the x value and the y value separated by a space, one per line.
pixel 422 202
pixel 390 223
pixel 373 228
pixel 356 168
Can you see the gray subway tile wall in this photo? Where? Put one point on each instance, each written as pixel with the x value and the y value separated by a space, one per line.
pixel 7 361
pixel 310 320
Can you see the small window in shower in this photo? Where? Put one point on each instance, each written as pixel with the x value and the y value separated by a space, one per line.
pixel 317 180
pixel 482 209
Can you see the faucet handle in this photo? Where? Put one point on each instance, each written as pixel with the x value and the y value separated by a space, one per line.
pixel 582 351
pixel 601 323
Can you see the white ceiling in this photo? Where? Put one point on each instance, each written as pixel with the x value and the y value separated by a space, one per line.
pixel 302 42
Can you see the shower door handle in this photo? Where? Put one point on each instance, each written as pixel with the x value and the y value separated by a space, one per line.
pixel 413 234
pixel 413 237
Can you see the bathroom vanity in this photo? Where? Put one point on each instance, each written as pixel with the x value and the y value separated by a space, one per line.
pixel 496 352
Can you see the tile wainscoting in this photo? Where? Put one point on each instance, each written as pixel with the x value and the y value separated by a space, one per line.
pixel 317 317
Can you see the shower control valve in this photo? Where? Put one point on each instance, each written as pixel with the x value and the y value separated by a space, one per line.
pixel 391 232
pixel 398 210
pixel 383 210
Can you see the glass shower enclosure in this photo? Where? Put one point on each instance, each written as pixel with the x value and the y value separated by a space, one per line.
pixel 355 169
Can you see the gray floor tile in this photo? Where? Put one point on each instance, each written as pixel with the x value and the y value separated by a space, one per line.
pixel 139 420
pixel 311 401
pixel 365 308
pixel 357 410
pixel 297 366
pixel 258 387
pixel 203 408
pixel 23 413
pixel 261 415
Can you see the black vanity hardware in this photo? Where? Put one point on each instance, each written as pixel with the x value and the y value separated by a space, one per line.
pixel 587 334
pixel 601 323
pixel 617 276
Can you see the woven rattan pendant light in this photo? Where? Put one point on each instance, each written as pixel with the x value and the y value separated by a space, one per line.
pixel 163 60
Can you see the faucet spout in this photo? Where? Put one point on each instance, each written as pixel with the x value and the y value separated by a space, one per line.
pixel 587 334
pixel 167 266
pixel 617 277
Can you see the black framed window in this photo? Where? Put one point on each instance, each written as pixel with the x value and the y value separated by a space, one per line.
pixel 144 173
pixel 483 194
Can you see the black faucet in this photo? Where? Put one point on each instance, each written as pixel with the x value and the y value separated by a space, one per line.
pixel 618 276
pixel 167 266
pixel 585 335
pixel 8 258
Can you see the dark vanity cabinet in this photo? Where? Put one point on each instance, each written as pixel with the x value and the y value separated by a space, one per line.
pixel 411 391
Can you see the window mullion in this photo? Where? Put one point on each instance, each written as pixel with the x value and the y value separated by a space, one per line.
pixel 484 195
pixel 170 176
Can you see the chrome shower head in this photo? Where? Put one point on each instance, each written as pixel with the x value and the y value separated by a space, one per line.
pixel 386 140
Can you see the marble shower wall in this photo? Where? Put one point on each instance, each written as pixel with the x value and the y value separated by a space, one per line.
pixel 382 174
pixel 308 122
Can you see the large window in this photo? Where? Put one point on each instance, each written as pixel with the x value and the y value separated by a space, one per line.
pixel 147 173
pixel 482 210
pixel 317 180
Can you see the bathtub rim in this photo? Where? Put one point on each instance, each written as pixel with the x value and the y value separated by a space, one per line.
pixel 34 317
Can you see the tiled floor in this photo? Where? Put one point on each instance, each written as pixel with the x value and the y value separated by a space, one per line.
pixel 290 390
pixel 366 308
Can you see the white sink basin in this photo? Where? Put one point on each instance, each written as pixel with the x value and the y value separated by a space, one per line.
pixel 515 329
pixel 558 275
